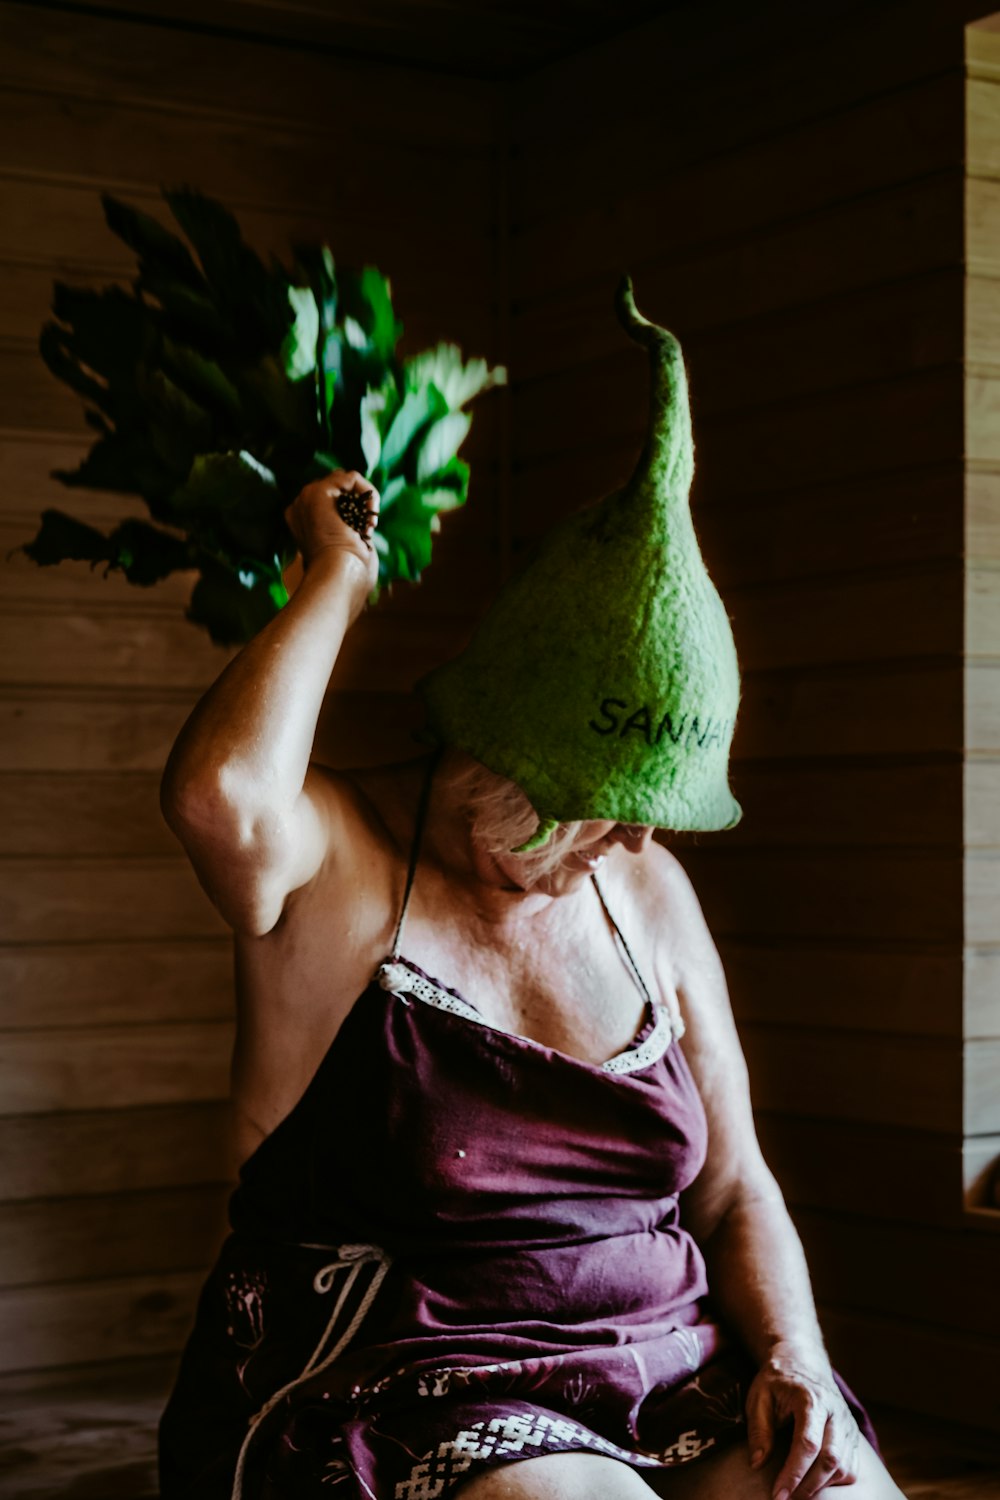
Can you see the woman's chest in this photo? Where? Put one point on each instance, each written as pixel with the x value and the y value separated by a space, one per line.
pixel 571 991
pixel 444 1119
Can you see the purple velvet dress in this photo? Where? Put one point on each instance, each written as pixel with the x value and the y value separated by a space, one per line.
pixel 459 1249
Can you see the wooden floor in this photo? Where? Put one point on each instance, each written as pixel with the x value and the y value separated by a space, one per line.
pixel 95 1440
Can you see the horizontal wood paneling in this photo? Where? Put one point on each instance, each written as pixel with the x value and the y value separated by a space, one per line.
pixel 111 1234
pixel 718 364
pixel 871 1267
pixel 86 900
pixel 107 1319
pixel 982 706
pixel 906 229
pixel 982 633
pixel 883 1172
pixel 751 183
pixel 982 895
pixel 82 813
pixel 63 137
pixel 67 729
pixel 982 511
pixel 982 801
pixel 114 1067
pixel 916 1365
pixel 423 37
pixel 860 709
pixel 878 895
pixel 982 220
pixel 113 983
pixel 982 416
pixel 907 990
pixel 982 1097
pixel 827 1075
pixel 171 68
pixel 907 324
pixel 833 802
pixel 864 52
pixel 767 454
pixel 982 992
pixel 982 323
pixel 114 1150
pixel 61 225
pixel 980 1155
pixel 142 646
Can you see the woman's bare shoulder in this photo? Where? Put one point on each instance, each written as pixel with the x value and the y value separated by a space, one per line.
pixel 669 902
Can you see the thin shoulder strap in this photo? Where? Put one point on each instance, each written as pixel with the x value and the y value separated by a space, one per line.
pixel 621 938
pixel 418 829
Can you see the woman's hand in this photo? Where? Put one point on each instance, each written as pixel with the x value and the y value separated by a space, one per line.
pixel 825 1437
pixel 317 526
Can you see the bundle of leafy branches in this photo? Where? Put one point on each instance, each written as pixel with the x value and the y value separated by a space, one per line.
pixel 220 386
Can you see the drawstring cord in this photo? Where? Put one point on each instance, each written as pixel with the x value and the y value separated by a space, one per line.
pixel 350 1258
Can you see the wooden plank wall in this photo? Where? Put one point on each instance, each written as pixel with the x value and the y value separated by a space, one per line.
pixel 115 973
pixel 787 193
pixel 982 632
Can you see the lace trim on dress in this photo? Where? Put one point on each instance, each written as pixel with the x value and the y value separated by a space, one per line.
pixel 398 978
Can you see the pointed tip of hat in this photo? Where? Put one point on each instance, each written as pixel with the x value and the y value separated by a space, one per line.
pixel 643 330
pixel 628 314
pixel 669 446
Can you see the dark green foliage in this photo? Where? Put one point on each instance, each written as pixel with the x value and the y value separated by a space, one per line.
pixel 219 386
pixel 143 552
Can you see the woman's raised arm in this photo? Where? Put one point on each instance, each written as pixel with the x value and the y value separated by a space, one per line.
pixel 238 790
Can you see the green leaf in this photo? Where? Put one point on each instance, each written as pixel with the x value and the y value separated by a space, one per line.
pixel 441 441
pixel 274 404
pixel 419 408
pixel 178 426
pixel 185 313
pixel 393 489
pixel 379 407
pixel 442 498
pixel 407 532
pixel 384 330
pixel 143 552
pixel 367 318
pixel 203 380
pixel 238 277
pixel 232 500
pixel 52 348
pixel 455 475
pixel 110 330
pixel 123 463
pixel 458 382
pixel 298 349
pixel 232 611
pixel 151 241
pixel 62 538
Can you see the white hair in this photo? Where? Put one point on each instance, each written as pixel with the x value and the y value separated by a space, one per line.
pixel 501 818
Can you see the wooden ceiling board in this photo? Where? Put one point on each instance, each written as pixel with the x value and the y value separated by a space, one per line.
pixel 495 39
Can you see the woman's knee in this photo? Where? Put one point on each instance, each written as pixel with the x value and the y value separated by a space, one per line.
pixel 727 1475
pixel 558 1476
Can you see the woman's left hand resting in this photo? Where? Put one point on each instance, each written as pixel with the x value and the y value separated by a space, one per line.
pixel 789 1387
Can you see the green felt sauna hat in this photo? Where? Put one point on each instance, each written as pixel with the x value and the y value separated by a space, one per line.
pixel 604 678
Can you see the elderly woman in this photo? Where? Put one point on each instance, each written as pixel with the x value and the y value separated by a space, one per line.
pixel 502 1226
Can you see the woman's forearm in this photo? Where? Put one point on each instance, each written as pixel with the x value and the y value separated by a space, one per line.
pixel 250 735
pixel 759 1279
